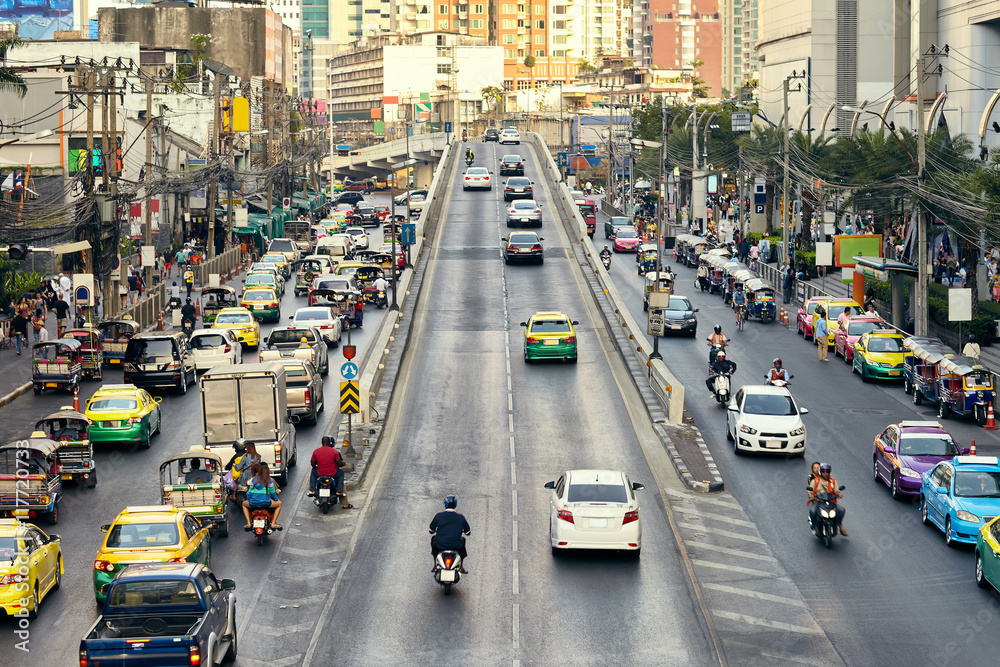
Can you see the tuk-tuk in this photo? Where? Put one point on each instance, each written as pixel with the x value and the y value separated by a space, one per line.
pixel 214 299
pixel 645 256
pixel 695 250
pixel 91 354
pixel 920 367
pixel 71 429
pixel 588 211
pixel 736 275
pixel 192 481
pixel 682 243
pixel 115 336
pixel 716 271
pixel 666 286
pixel 965 387
pixel 56 364
pixel 30 484
pixel 366 276
pixel 309 270
pixel 760 299
pixel 341 302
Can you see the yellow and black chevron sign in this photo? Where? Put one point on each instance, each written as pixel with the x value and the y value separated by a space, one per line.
pixel 349 398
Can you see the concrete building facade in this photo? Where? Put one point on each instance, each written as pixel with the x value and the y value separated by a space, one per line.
pixel 673 34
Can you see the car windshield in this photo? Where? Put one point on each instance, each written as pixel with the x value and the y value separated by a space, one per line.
pixel 596 493
pixel 233 318
pixel 312 314
pixel 833 312
pixel 296 371
pixel 523 238
pixel 626 234
pixel 138 593
pixel 258 295
pixel 140 349
pixel 858 328
pixel 769 404
pixel 511 159
pixel 207 341
pixel 115 404
pixel 811 307
pixel 927 445
pixel 333 284
pixel 678 304
pixel 260 279
pixel 880 344
pixel 273 259
pixel 518 182
pixel 587 210
pixel 619 221
pixel 977 484
pixel 279 336
pixel 477 171
pixel 136 535
pixel 523 205
pixel 8 548
pixel 356 232
pixel 281 245
pixel 550 326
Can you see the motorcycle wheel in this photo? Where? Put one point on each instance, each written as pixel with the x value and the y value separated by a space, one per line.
pixel 324 508
pixel 447 589
pixel 828 540
pixel 260 540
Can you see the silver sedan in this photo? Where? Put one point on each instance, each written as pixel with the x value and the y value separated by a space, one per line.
pixel 524 212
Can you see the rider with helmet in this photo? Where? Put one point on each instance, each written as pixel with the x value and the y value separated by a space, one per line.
pixel 326 461
pixel 448 530
pixel 825 483
pixel 187 312
pixel 606 253
pixel 777 373
pixel 468 153
pixel 718 367
pixel 739 303
pixel 717 338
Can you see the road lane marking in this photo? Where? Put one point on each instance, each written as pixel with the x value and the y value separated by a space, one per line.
pixel 514 536
pixel 509 387
pixel 516 581
pixel 281 630
pixel 754 594
pixel 722 533
pixel 766 623
pixel 699 499
pixel 719 517
pixel 510 423
pixel 736 569
pixel 731 552
pixel 511 446
pixel 513 474
pixel 510 402
pixel 513 500
pixel 277 662
pixel 516 629
pixel 800 659
pixel 508 365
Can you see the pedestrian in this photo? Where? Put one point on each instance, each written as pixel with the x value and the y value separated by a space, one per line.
pixel 995 286
pixel 133 287
pixel 821 333
pixel 161 265
pixel 168 264
pixel 744 250
pixel 37 324
pixel 789 283
pixel 61 309
pixel 189 280
pixel 66 287
pixel 19 328
pixel 971 348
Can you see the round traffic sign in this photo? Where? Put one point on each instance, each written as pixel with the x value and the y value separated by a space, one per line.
pixel 349 351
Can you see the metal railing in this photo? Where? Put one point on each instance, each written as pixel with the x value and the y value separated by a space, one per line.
pixel 220 264
pixel 146 310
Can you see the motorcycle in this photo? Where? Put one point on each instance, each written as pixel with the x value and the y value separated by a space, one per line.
pixel 187 326
pixel 781 383
pixel 826 517
pixel 465 135
pixel 175 303
pixel 606 259
pixel 260 524
pixel 447 569
pixel 325 493
pixel 713 351
pixel 468 161
pixel 722 385
pixel 380 299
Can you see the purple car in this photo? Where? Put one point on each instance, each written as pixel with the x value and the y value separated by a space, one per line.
pixel 905 451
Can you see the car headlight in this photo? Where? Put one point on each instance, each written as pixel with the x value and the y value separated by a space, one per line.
pixel 962 515
pixel 747 429
pixel 691 320
pixel 909 472
pixel 799 431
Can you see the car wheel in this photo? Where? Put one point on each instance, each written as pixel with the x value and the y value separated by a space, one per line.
pixel 729 434
pixel 864 373
pixel 58 582
pixel 836 353
pixel 875 474
pixel 33 613
pixel 894 488
pixel 980 577
pixel 944 409
pixel 923 511
pixel 736 447
pixel 159 422
pixel 907 387
pixel 917 396
pixel 144 442
pixel 947 532
pixel 183 387
pixel 846 360
pixel 231 653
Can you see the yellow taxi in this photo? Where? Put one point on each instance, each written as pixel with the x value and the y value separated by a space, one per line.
pixel 149 534
pixel 243 324
pixel 31 565
pixel 880 355
pixel 550 335
pixel 348 268
pixel 123 413
pixel 263 303
pixel 834 309
pixel 280 262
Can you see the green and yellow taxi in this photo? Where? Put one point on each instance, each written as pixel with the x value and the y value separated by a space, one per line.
pixel 279 261
pixel 834 309
pixel 31 566
pixel 988 555
pixel 338 186
pixel 263 303
pixel 123 413
pixel 149 534
pixel 550 335
pixel 265 280
pixel 879 355
pixel 243 324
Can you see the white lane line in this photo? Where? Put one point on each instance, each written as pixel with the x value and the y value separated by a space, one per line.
pixel 766 623
pixel 510 422
pixel 754 594
pixel 509 387
pixel 730 552
pixel 516 630
pixel 718 517
pixel 508 365
pixel 510 402
pixel 512 455
pixel 513 500
pixel 516 582
pixel 514 536
pixel 723 533
pixel 736 569
pixel 513 474
pixel 802 660
pixel 506 341
pixel 698 499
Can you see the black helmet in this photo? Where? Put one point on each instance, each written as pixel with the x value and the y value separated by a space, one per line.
pixel 327 441
pixel 187 300
pixel 450 501
pixel 777 361
pixel 240 445
pixel 825 467
pixel 718 328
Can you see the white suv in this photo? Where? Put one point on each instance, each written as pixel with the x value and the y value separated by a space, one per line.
pixel 510 136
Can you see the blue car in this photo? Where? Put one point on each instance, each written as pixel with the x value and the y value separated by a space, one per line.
pixel 960 496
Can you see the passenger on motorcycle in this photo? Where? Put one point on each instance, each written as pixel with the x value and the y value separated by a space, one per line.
pixel 777 373
pixel 448 530
pixel 719 366
pixel 716 338
pixel 326 461
pixel 825 483
pixel 262 494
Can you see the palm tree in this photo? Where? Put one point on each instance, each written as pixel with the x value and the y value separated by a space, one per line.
pixel 496 93
pixel 760 151
pixel 805 154
pixel 9 79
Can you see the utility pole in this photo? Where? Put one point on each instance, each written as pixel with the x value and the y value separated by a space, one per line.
pixel 611 143
pixel 148 204
pixel 920 316
pixel 268 145
pixel 786 211
pixel 213 153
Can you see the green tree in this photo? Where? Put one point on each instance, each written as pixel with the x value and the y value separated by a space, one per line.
pixel 529 61
pixel 760 149
pixel 698 88
pixel 10 80
pixel 495 93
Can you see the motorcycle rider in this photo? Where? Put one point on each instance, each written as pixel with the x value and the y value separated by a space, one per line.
pixel 777 373
pixel 326 461
pixel 187 313
pixel 468 154
pixel 825 483
pixel 465 134
pixel 448 530
pixel 717 338
pixel 719 366
pixel 606 255
pixel 262 494
pixel 381 285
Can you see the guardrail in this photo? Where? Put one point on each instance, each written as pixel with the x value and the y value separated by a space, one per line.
pixel 220 264
pixel 803 290
pixel 146 310
pixel 669 391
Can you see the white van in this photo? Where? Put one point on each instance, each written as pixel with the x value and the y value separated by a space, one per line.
pixel 337 248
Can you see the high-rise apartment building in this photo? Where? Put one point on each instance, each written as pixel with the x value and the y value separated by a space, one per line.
pixel 731 12
pixel 750 32
pixel 674 34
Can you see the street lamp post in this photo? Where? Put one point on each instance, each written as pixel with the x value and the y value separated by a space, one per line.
pixel 640 143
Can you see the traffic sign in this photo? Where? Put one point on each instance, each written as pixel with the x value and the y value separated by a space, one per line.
pixel 349 370
pixel 447 126
pixel 562 160
pixel 349 398
pixel 349 351
pixel 408 234
pixel 758 209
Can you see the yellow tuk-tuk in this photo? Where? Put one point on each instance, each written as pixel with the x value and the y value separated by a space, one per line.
pixel 666 286
pixel 214 299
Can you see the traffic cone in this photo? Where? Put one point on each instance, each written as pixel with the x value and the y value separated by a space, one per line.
pixel 972 449
pixel 197 307
pixel 991 424
pixel 76 398
pixel 783 315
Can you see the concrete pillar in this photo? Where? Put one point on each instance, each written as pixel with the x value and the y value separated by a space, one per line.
pixel 896 286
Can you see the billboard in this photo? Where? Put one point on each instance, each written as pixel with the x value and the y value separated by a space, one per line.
pixel 37 19
pixel 846 246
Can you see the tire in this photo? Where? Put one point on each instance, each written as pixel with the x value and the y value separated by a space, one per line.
pixel 183 388
pixel 894 488
pixel 92 480
pixel 947 532
pixel 292 462
pixel 159 423
pixel 230 655
pixel 736 447
pixel 447 589
pixel 36 389
pixel 980 576
pixel 944 409
pixel 907 386
pixel 260 540
pixel 729 435
pixel 917 396
pixel 864 373
pixel 33 614
pixel 846 360
pixel 923 512
pixel 828 541
pixel 835 353
pixel 875 470
pixel 637 553
pixel 52 518
pixel 144 443
pixel 224 526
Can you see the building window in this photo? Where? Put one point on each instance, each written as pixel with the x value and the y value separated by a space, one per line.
pixel 508 83
pixel 508 38
pixel 559 9
pixel 442 9
pixel 539 39
pixel 539 9
pixel 540 25
pixel 509 53
pixel 523 84
pixel 477 9
pixel 443 24
pixel 509 24
pixel 559 39
pixel 508 9
pixel 476 24
pixel 539 53
pixel 443 68
pixel 559 53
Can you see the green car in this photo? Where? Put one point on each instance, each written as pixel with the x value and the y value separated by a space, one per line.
pixel 550 335
pixel 263 303
pixel 123 413
pixel 988 555
pixel 264 280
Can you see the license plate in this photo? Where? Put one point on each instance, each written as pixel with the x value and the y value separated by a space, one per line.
pixel 519 190
pixel 525 219
pixel 550 341
pixel 112 424
pixel 324 493
pixel 65 476
pixel 51 384
pixel 772 444
pixel 258 523
pixel 893 372
pixel 258 307
pixel 114 361
pixel 675 326
pixel 598 523
pixel 447 576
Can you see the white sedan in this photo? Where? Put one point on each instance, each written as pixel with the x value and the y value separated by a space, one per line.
pixel 762 418
pixel 215 347
pixel 331 326
pixel 510 136
pixel 417 203
pixel 360 237
pixel 594 509
pixel 477 177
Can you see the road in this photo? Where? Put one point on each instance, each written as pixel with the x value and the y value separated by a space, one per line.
pixel 129 477
pixel 478 422
pixel 892 592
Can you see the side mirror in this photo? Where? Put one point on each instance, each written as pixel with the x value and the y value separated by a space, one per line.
pixel 524 324
pixel 550 485
pixel 733 407
pixel 541 238
pixel 106 527
pixel 636 486
pixel 575 323
pixel 228 584
pixel 695 310
pixel 965 451
pixel 54 538
pixel 791 377
pixel 291 317
pixel 888 450
pixel 942 490
pixel 842 487
pixel 803 411
pixel 157 399
pixel 105 589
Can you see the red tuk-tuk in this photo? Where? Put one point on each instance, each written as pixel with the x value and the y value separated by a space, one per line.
pixel 588 209
pixel 92 356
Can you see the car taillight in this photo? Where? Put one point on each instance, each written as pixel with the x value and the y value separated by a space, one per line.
pixel 533 341
pixel 569 339
pixel 538 210
pixel 178 560
pixel 131 421
pixel 104 566
pixel 566 515
pixel 512 210
pixel 467 178
pixel 630 517
pixel 486 178
pixel 195 655
pixel 229 348
pixel 537 247
pixel 272 305
pixel 277 455
pixel 166 497
pixel 308 398
pixel 83 658
pixel 9 579
pixel 520 164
